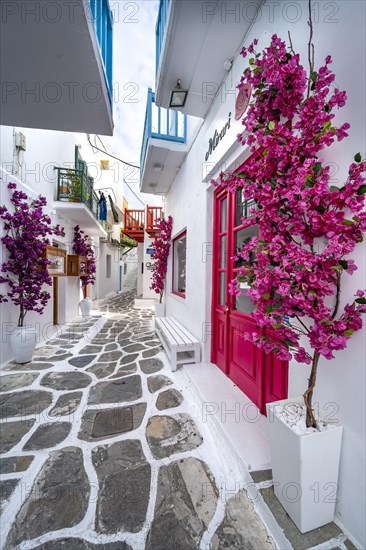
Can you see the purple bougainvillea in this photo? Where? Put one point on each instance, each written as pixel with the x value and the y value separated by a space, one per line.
pixel 26 239
pixel 160 260
pixel 82 247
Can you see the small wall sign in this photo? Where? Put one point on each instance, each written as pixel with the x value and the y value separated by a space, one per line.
pixel 216 138
pixel 76 265
pixel 57 261
pixel 242 100
pixel 151 250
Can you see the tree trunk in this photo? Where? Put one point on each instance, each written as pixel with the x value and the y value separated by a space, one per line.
pixel 161 297
pixel 308 395
pixel 21 316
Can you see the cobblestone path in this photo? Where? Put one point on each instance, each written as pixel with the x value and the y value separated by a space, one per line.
pixel 100 450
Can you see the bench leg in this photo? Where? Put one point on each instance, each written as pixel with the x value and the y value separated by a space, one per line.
pixel 173 359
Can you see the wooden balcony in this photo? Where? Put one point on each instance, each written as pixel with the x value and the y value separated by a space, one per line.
pixel 154 213
pixel 134 225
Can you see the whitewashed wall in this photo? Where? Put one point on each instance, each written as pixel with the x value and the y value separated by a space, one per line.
pixel 337 32
pixel 33 172
pixel 129 279
pixel 107 285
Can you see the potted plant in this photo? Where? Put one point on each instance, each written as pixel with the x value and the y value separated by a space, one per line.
pixel 75 186
pixel 83 247
pixel 26 238
pixel 295 268
pixel 160 261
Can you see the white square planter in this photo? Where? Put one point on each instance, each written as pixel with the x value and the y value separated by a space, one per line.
pixel 305 469
pixel 159 309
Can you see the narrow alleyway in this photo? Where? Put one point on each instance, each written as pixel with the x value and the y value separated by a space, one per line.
pixel 100 450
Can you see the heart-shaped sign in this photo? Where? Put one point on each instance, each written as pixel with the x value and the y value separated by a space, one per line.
pixel 242 100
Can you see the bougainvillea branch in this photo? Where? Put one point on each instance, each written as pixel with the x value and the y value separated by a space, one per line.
pixel 160 260
pixel 308 228
pixel 26 239
pixel 82 247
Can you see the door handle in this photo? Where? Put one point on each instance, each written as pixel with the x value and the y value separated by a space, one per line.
pixel 227 309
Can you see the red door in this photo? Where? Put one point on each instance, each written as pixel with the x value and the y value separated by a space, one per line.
pixel 263 378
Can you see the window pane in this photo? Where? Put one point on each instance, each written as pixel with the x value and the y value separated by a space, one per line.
pixel 223 216
pixel 243 236
pixel 179 255
pixel 223 251
pixel 243 208
pixel 243 303
pixel 223 288
pixel 240 208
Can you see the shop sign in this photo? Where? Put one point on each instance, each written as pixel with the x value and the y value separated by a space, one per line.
pixel 216 138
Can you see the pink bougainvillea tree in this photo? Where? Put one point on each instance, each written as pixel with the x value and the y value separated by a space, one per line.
pixel 82 247
pixel 160 259
pixel 308 228
pixel 26 238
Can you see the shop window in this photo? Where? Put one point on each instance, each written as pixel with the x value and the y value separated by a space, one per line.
pixel 179 264
pixel 109 266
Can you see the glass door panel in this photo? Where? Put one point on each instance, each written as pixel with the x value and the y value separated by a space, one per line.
pixel 242 237
pixel 222 300
pixel 223 215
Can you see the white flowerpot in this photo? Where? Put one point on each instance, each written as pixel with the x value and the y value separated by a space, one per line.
pixel 159 309
pixel 23 343
pixel 305 469
pixel 85 306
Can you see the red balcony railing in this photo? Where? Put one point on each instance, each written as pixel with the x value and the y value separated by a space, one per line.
pixel 154 213
pixel 134 225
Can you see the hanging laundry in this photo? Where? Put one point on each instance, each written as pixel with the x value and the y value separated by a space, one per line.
pixel 102 208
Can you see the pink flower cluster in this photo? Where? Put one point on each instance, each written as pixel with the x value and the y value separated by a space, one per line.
pixel 307 227
pixel 82 247
pixel 26 239
pixel 160 258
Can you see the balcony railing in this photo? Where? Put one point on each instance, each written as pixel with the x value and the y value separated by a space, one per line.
pixel 134 220
pixel 160 30
pixel 154 213
pixel 102 18
pixel 163 124
pixel 74 186
pixel 134 224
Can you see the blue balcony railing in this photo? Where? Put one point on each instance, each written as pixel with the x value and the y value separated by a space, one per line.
pixel 102 18
pixel 160 30
pixel 162 124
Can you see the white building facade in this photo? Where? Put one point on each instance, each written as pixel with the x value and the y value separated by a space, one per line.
pixel 53 153
pixel 198 45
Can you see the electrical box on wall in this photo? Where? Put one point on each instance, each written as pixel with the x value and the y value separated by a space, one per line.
pixel 20 141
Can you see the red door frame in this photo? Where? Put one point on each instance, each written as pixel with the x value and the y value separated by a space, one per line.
pixel 265 378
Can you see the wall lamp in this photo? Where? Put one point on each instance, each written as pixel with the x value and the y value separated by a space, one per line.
pixel 178 96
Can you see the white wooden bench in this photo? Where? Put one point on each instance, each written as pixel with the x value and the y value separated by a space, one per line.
pixel 180 346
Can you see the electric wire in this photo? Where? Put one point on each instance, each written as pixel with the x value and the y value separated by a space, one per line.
pixel 120 160
pixel 113 157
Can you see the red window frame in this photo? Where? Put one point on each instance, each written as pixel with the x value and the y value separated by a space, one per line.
pixel 179 236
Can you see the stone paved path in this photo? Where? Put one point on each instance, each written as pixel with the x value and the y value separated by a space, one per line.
pixel 100 449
